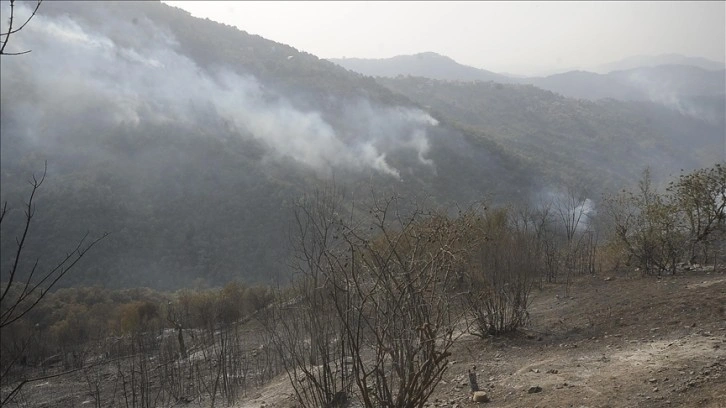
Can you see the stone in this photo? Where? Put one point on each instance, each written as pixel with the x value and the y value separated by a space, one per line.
pixel 480 396
pixel 534 389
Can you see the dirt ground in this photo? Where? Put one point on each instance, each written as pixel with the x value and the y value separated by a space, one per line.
pixel 613 342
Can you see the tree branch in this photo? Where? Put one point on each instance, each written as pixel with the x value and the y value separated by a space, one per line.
pixel 14 31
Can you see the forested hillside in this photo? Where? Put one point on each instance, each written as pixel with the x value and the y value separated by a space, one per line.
pixel 187 141
pixel 596 143
pixel 693 87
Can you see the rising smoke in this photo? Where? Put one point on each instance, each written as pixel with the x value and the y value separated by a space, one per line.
pixel 672 91
pixel 134 73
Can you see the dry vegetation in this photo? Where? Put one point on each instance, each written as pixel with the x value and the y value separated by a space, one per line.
pixel 620 340
pixel 392 305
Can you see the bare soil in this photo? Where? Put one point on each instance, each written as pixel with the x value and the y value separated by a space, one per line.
pixel 613 342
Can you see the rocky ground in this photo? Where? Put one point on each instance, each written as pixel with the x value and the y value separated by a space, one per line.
pixel 613 342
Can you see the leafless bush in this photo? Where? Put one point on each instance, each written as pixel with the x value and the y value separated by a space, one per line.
pixel 502 272
pixel 25 285
pixel 371 306
pixel 303 324
pixel 395 299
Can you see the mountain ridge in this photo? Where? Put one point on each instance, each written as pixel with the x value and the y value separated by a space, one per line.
pixel 638 61
pixel 425 64
pixel 684 88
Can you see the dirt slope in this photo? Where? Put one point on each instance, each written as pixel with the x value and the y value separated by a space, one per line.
pixel 613 342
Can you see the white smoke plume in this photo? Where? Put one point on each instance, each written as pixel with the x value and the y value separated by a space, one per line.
pixel 662 90
pixel 123 74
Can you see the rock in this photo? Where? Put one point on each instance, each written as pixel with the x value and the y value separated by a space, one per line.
pixel 480 396
pixel 552 371
pixel 534 389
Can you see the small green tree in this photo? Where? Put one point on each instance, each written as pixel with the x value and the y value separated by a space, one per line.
pixel 649 226
pixel 701 197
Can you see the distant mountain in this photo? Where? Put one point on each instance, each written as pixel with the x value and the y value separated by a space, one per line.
pixel 427 64
pixel 590 142
pixel 682 80
pixel 689 90
pixel 585 85
pixel 640 61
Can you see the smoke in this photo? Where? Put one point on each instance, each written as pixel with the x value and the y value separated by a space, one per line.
pixel 567 203
pixel 116 73
pixel 661 89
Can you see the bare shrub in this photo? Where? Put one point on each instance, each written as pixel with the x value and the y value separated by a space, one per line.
pixel 371 306
pixel 395 298
pixel 303 324
pixel 501 274
pixel 25 284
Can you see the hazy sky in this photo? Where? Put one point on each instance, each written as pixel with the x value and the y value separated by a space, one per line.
pixel 514 37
